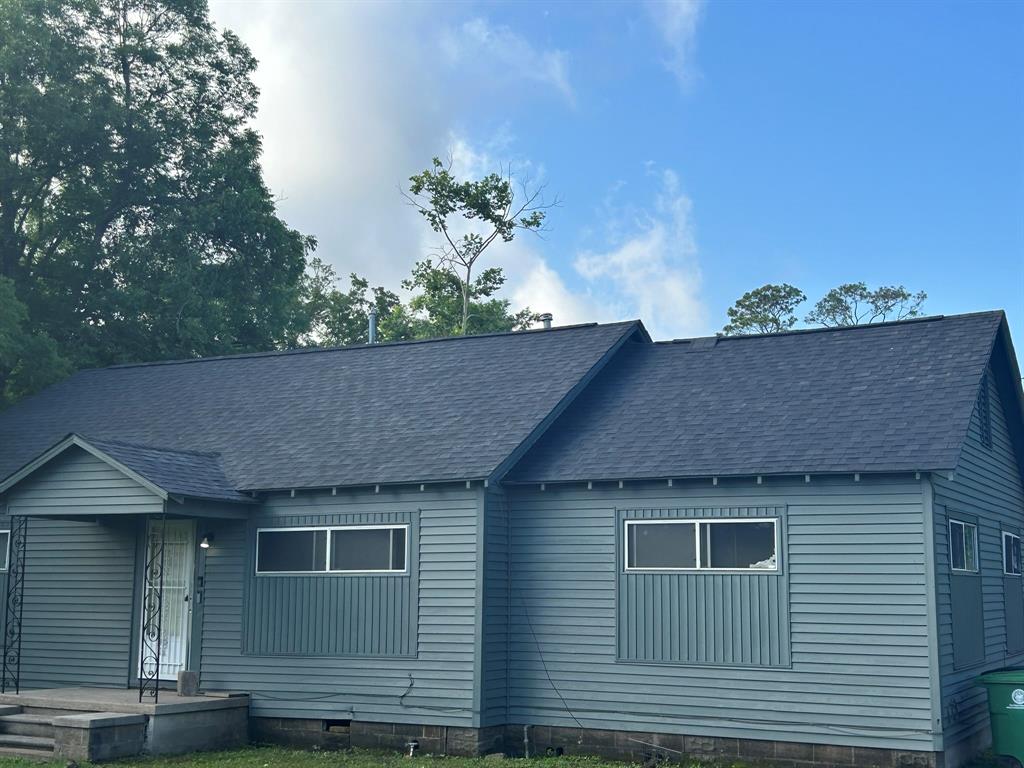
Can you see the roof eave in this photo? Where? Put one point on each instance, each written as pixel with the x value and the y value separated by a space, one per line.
pixel 729 475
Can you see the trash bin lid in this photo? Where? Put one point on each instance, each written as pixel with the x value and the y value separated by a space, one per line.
pixel 1005 676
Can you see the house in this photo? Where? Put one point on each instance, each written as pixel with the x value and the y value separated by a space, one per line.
pixel 800 547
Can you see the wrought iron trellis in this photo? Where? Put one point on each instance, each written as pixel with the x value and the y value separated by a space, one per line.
pixel 152 613
pixel 14 605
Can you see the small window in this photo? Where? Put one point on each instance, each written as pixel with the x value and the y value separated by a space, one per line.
pixel 661 545
pixel 350 549
pixel 963 546
pixel 705 545
pixel 302 550
pixel 367 549
pixel 738 545
pixel 5 549
pixel 1011 554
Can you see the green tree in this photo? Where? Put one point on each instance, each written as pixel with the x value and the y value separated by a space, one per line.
pixel 437 309
pixel 855 304
pixel 28 361
pixel 487 208
pixel 340 318
pixel 134 220
pixel 768 309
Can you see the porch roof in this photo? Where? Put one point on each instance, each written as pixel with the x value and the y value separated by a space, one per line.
pixel 167 473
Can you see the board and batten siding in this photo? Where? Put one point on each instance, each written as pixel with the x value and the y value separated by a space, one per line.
pixel 853 554
pixel 986 489
pixel 431 681
pixel 333 614
pixel 496 609
pixel 703 618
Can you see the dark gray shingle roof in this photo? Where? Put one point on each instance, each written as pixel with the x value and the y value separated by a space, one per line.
pixel 891 397
pixel 180 473
pixel 448 409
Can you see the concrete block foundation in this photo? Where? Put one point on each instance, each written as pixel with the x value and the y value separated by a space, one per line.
pixel 543 740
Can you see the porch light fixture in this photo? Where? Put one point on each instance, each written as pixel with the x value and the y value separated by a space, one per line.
pixel 207 541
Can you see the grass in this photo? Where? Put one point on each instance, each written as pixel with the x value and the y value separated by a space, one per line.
pixel 278 757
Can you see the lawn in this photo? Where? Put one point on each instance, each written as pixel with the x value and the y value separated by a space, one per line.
pixel 277 757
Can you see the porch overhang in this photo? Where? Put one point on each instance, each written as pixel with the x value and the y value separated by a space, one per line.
pixel 195 481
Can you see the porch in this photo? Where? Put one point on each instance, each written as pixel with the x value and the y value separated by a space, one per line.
pixel 104 550
pixel 108 723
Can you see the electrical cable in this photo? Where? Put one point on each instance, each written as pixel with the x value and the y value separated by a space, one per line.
pixel 544 666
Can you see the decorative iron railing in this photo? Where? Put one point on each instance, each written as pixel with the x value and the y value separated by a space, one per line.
pixel 14 605
pixel 152 612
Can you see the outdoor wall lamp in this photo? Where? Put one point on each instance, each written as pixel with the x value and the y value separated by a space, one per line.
pixel 207 541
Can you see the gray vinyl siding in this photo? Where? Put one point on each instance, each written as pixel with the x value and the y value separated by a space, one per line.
pixel 986 487
pixel 333 614
pixel 433 685
pixel 703 618
pixel 79 598
pixel 80 576
pixel 77 483
pixel 854 556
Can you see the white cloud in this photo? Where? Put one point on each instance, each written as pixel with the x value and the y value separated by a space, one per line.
pixel 347 113
pixel 652 272
pixel 507 55
pixel 676 21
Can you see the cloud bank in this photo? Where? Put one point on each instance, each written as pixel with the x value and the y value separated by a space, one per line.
pixel 357 97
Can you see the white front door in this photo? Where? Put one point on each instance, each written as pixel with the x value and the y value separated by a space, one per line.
pixel 176 608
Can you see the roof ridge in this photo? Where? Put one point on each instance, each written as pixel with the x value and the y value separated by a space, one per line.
pixel 836 329
pixel 349 347
pixel 98 442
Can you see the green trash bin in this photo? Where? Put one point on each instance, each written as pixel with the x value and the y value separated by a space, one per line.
pixel 1006 711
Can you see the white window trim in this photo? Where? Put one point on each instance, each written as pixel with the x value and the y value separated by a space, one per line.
pixel 1013 536
pixel 7 553
pixel 330 530
pixel 966 525
pixel 696 523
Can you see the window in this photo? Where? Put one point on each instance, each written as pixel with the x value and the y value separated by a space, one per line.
pixel 1011 554
pixel 963 546
pixel 368 549
pixel 350 549
pixel 5 549
pixel 705 545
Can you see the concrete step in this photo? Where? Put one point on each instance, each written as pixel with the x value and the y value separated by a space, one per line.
pixel 27 725
pixel 9 709
pixel 35 744
pixel 51 712
pixel 34 754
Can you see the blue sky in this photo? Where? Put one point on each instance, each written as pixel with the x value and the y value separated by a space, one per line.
pixel 699 149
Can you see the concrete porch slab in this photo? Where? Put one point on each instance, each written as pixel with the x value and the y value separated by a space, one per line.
pixel 109 723
pixel 122 700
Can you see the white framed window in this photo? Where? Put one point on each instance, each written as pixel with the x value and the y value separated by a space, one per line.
pixel 963 546
pixel 1011 554
pixel 336 549
pixel 719 544
pixel 5 549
